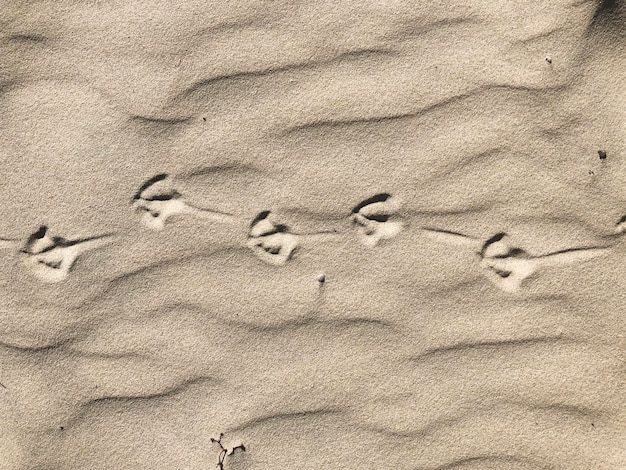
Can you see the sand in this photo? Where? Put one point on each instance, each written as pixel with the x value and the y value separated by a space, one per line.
pixel 304 235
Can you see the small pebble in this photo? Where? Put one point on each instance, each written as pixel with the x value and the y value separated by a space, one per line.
pixel 602 154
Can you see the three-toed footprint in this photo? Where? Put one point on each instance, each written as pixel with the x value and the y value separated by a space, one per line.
pixel 507 266
pixel 51 258
pixel 276 243
pixel 157 200
pixel 270 241
pixel 377 218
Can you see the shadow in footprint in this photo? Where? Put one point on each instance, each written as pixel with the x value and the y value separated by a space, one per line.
pixel 151 183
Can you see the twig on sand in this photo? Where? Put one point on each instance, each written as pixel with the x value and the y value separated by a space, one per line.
pixel 224 452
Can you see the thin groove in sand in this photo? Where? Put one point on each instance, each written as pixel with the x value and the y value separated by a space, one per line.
pixel 160 121
pixel 297 415
pixel 27 38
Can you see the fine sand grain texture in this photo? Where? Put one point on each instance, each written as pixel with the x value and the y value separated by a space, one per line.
pixel 304 235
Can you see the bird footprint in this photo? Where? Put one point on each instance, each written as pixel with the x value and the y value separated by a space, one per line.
pixel 377 219
pixel 508 266
pixel 51 258
pixel 157 200
pixel 505 266
pixel 270 241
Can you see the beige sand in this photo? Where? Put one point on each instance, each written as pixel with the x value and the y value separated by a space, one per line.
pixel 303 235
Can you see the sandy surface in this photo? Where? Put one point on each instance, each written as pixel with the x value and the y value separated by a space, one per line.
pixel 347 235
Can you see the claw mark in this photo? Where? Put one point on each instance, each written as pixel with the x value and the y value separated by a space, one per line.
pixel 224 452
pixel 141 193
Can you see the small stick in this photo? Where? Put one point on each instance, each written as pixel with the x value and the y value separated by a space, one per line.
pixel 224 452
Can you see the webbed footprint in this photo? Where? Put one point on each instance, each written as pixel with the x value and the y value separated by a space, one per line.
pixel 507 266
pixel 270 241
pixel 377 219
pixel 158 200
pixel 51 258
